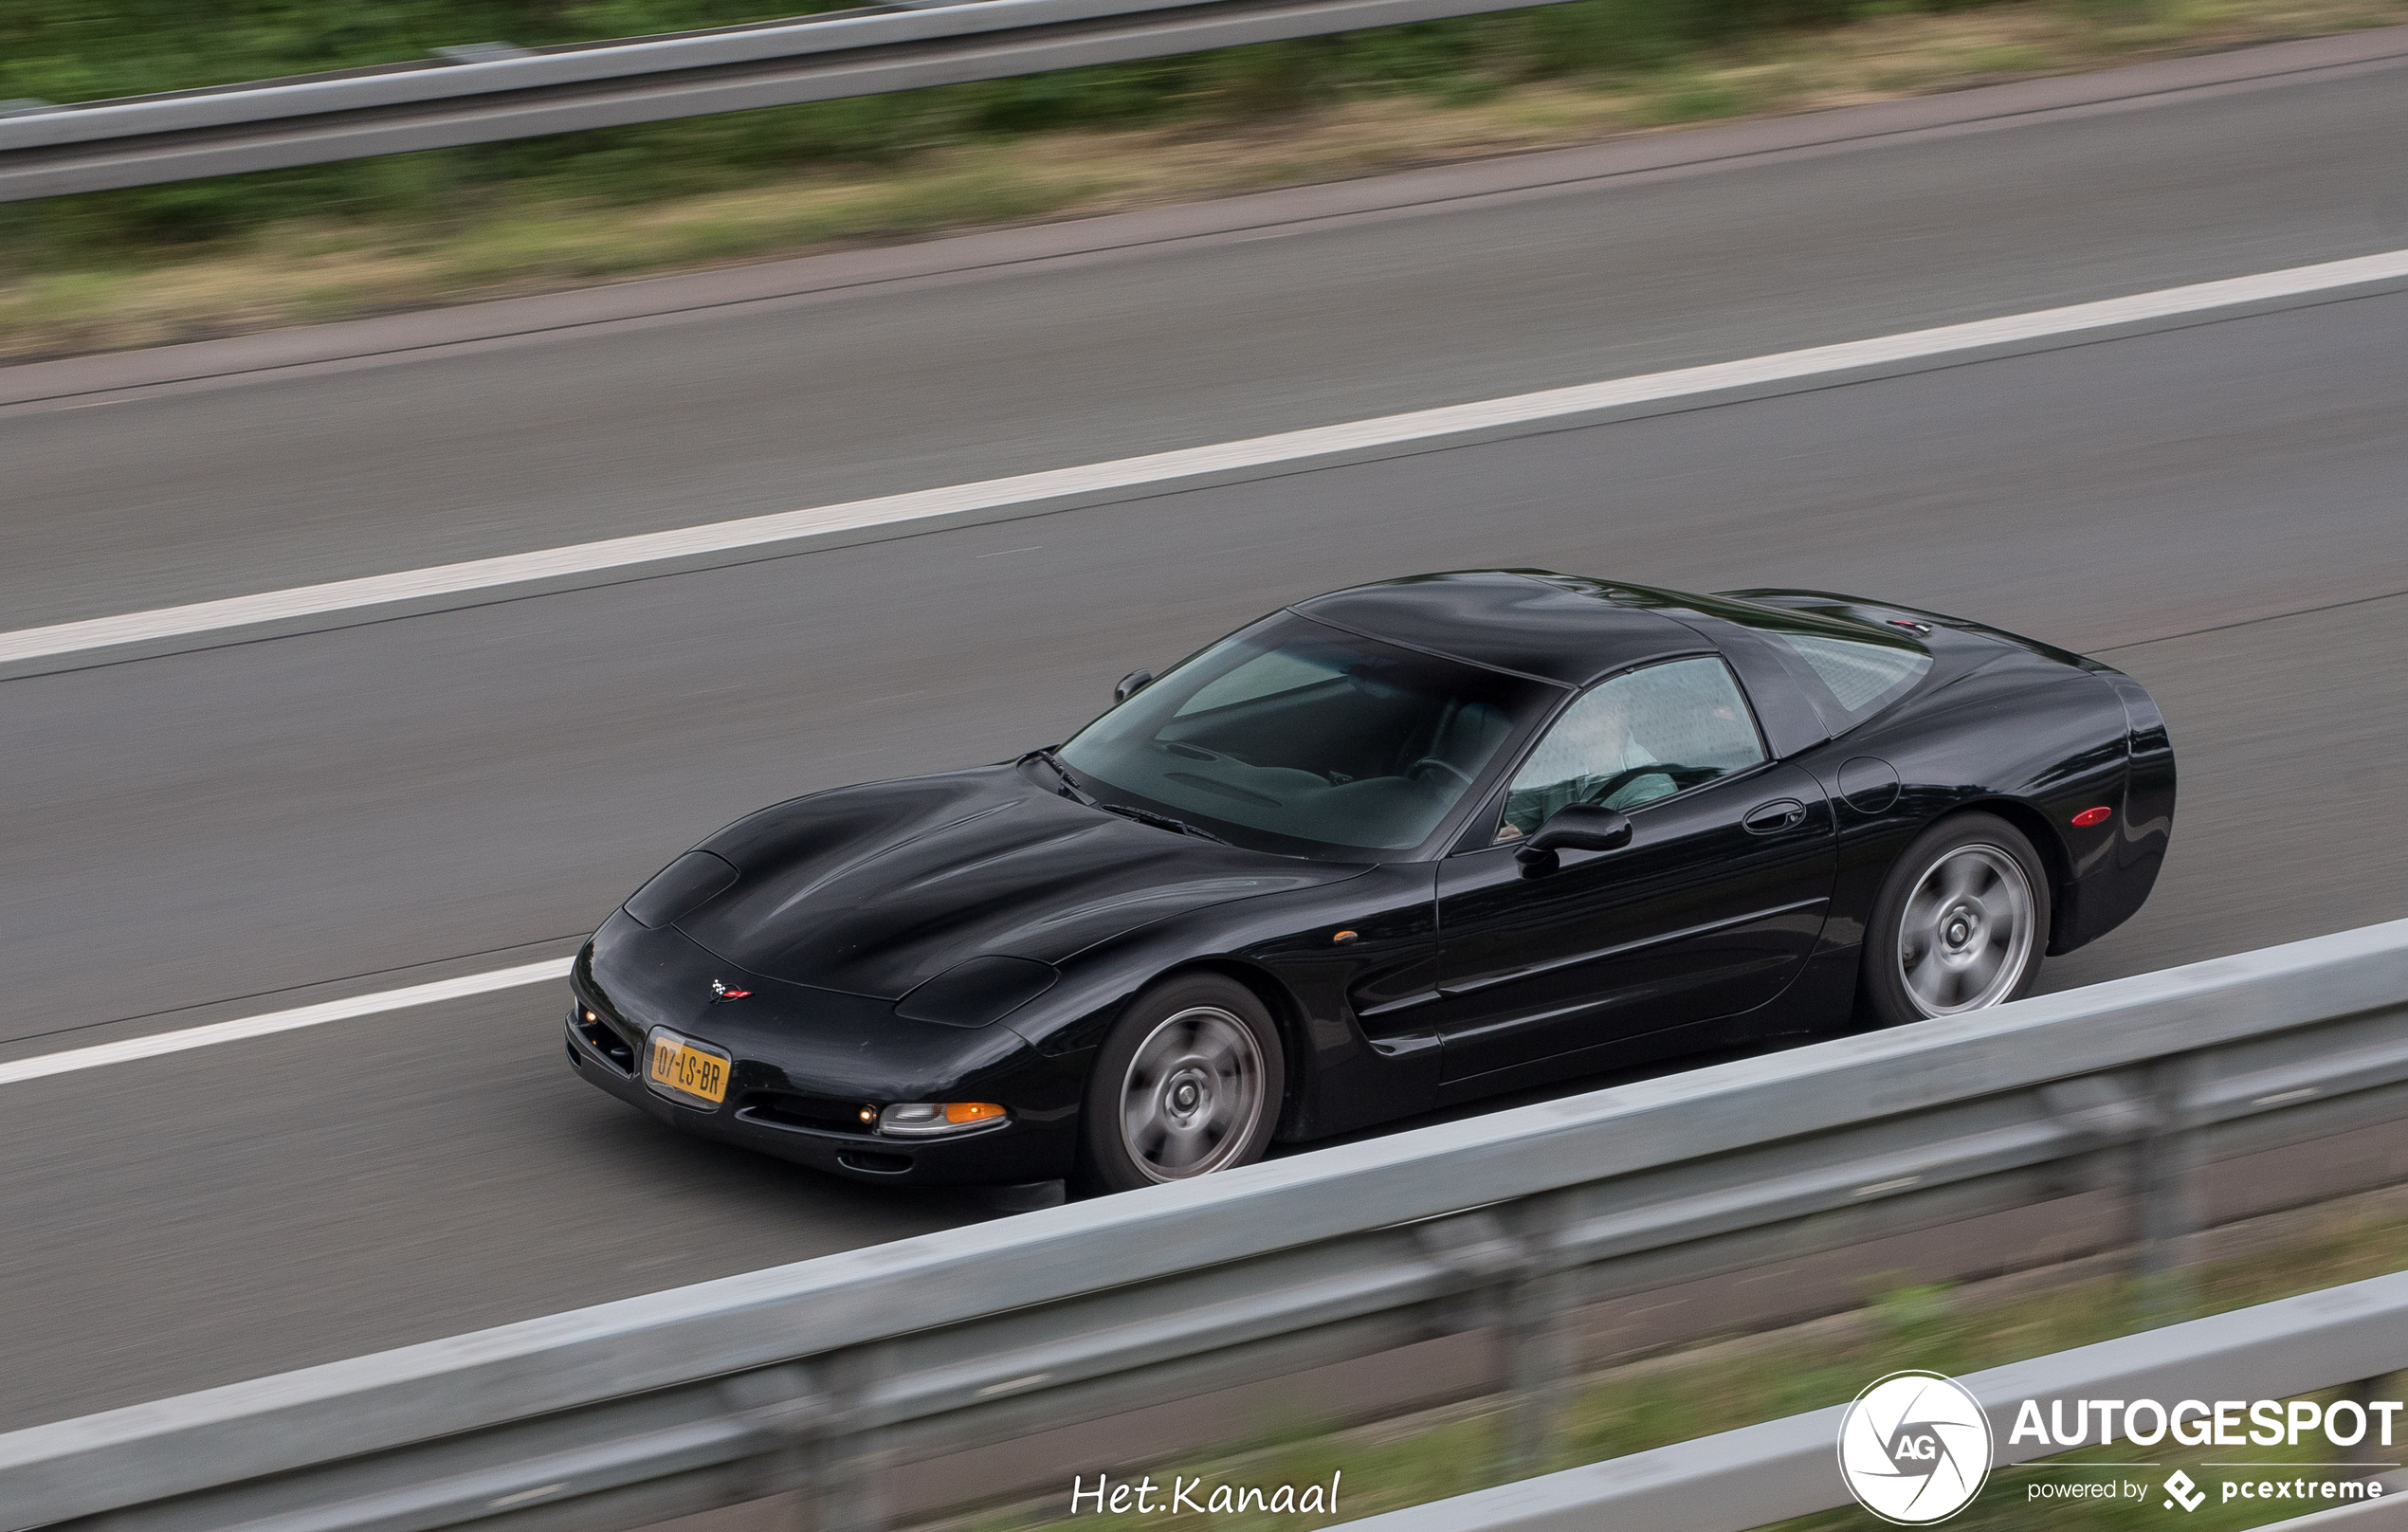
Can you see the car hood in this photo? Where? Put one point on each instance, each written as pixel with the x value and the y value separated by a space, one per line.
pixel 874 889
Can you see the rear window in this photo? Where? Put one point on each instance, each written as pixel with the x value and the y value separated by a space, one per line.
pixel 1865 678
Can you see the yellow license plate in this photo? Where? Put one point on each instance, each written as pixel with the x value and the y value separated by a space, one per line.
pixel 685 1067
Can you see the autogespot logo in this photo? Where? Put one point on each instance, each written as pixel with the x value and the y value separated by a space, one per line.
pixel 1914 1448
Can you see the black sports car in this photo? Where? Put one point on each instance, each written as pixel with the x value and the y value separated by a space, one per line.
pixel 1394 847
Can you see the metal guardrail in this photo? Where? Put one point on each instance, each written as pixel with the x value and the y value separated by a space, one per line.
pixel 1760 1474
pixel 825 1374
pixel 484 94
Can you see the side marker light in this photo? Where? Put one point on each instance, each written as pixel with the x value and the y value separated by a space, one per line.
pixel 2092 816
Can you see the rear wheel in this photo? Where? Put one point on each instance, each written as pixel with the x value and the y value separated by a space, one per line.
pixel 1188 1083
pixel 1960 924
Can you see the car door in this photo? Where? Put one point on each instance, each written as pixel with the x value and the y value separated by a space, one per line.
pixel 1711 908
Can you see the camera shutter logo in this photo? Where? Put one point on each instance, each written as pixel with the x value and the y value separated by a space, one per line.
pixel 1914 1448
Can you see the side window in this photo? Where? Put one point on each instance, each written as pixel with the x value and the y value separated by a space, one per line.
pixel 1635 739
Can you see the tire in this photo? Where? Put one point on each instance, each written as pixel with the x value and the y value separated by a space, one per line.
pixel 1961 924
pixel 1189 1082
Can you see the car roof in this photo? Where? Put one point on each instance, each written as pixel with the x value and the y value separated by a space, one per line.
pixel 1560 628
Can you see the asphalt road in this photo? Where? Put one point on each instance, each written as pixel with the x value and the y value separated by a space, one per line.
pixel 1293 311
pixel 2218 509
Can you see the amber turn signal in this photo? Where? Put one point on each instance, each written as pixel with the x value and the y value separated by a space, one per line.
pixel 934 1120
pixel 1342 938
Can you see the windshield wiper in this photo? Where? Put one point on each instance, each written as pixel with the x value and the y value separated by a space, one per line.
pixel 1159 821
pixel 1070 788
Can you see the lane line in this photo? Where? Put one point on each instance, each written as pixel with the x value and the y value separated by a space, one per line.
pixel 2251 622
pixel 223 1001
pixel 282 1021
pixel 1161 469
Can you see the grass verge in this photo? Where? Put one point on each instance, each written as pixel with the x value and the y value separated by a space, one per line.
pixel 77 275
pixel 1719 1387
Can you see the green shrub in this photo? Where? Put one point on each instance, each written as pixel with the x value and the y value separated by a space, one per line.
pixel 67 50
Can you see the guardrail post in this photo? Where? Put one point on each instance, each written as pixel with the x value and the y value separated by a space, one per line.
pixel 1536 1305
pixel 2167 1187
pixel 848 1481
pixel 784 1405
pixel 2368 1452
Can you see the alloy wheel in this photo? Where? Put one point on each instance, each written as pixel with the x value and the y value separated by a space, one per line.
pixel 1192 1094
pixel 1965 936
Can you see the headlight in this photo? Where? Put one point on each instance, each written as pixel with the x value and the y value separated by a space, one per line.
pixel 977 992
pixel 680 888
pixel 932 1120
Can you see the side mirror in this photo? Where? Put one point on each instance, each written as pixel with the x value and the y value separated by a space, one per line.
pixel 1575 826
pixel 1130 684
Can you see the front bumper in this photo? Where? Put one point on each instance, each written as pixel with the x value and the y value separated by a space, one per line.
pixel 1020 1148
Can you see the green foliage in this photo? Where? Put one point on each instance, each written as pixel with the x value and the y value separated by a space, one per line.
pixel 1686 100
pixel 69 50
pixel 1682 1397
pixel 73 50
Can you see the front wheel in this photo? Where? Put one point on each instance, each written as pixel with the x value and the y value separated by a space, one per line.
pixel 1960 924
pixel 1188 1083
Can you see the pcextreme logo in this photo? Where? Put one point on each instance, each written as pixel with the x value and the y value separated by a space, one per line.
pixel 1914 1448
pixel 2185 1490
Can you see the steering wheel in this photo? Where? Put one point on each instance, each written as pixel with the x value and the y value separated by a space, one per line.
pixel 1449 767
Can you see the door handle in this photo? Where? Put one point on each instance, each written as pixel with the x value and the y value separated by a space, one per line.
pixel 1771 818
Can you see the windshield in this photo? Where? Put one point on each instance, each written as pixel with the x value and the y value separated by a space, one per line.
pixel 1302 738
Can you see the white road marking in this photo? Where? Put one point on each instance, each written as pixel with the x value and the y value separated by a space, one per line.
pixel 282 1021
pixel 1165 468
